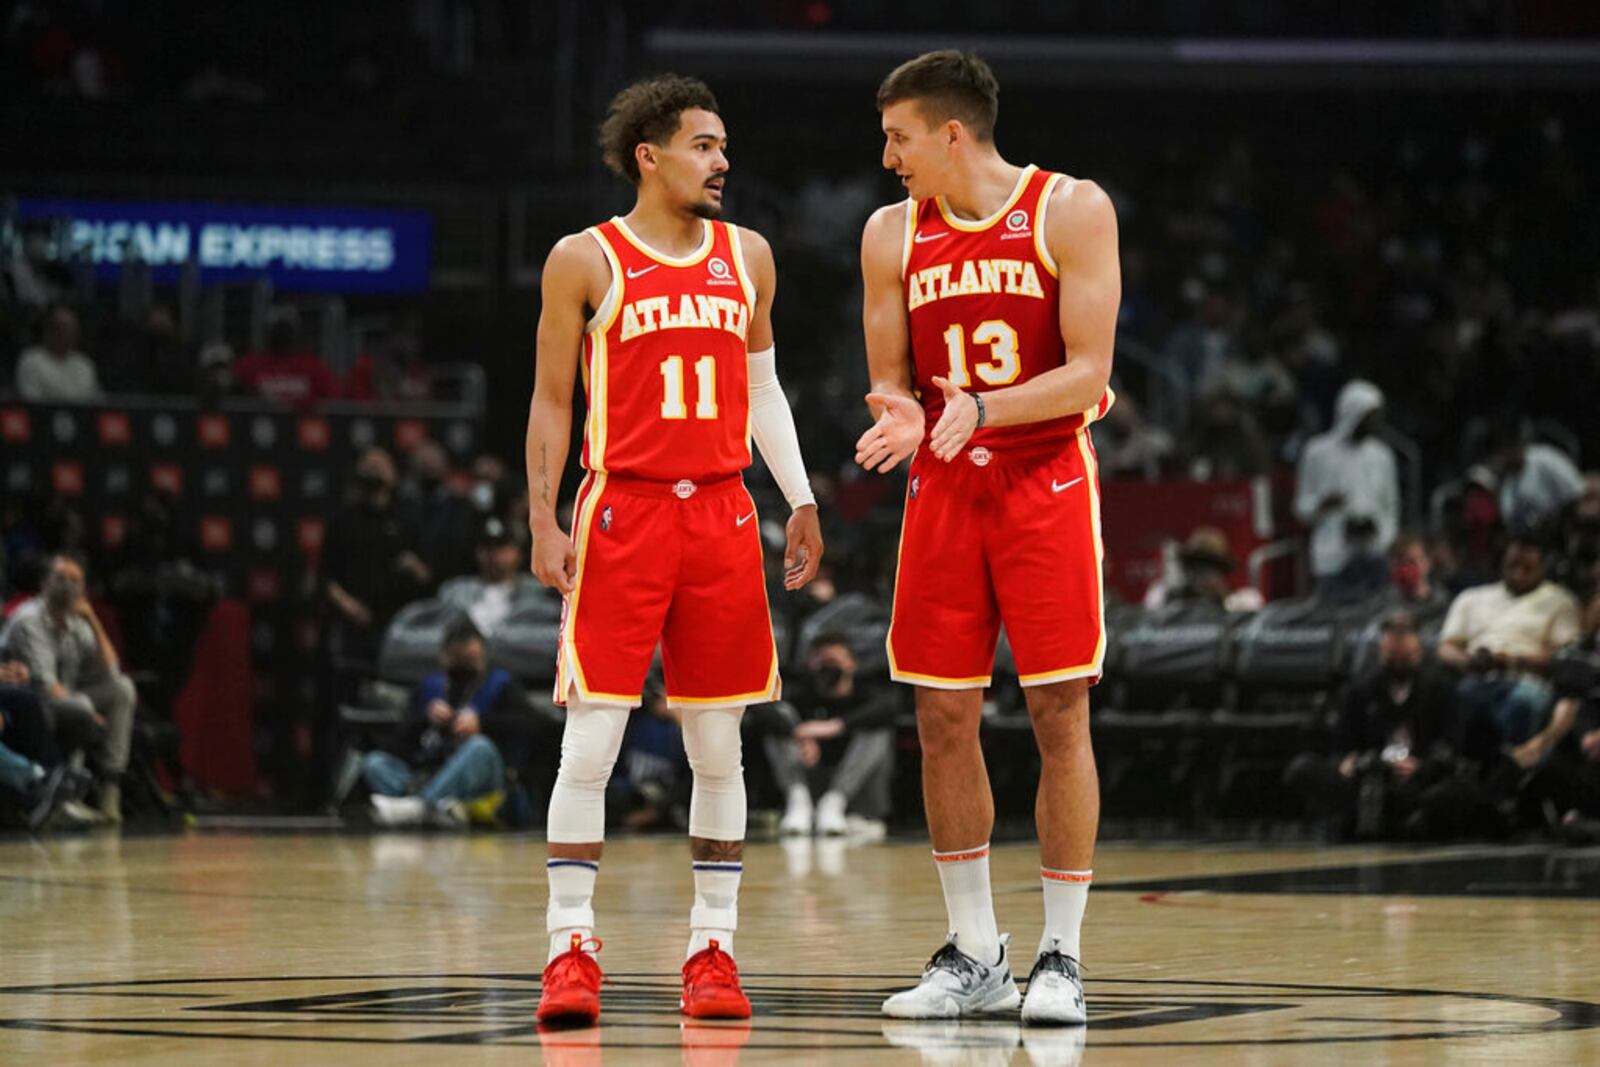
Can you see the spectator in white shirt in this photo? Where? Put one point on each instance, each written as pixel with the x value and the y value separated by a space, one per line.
pixel 1503 637
pixel 1346 475
pixel 56 370
pixel 502 584
pixel 1536 481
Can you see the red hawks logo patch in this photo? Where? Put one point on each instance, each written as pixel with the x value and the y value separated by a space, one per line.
pixel 15 427
pixel 215 431
pixel 113 530
pixel 114 429
pixel 168 477
pixel 216 533
pixel 264 585
pixel 309 536
pixel 266 483
pixel 408 434
pixel 312 433
pixel 66 476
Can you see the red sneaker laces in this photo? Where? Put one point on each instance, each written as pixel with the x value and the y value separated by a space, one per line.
pixel 711 964
pixel 577 964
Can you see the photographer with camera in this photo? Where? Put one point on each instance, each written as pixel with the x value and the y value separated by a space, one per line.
pixel 1399 736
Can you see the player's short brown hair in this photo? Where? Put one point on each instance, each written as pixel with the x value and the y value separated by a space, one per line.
pixel 648 112
pixel 947 85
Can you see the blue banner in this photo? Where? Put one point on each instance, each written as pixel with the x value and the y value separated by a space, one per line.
pixel 302 249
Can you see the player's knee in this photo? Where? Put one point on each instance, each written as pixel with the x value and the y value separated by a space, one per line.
pixel 713 744
pixel 947 722
pixel 1060 723
pixel 589 745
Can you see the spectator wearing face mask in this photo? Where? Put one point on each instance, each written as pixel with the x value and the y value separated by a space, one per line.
pixel 442 517
pixel 370 564
pixel 840 735
pixel 77 672
pixel 1345 474
pixel 449 753
pixel 1411 583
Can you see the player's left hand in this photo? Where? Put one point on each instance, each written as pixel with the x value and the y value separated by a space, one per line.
pixel 466 723
pixel 802 554
pixel 954 428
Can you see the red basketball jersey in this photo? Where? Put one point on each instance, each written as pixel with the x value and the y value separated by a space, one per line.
pixel 983 302
pixel 665 367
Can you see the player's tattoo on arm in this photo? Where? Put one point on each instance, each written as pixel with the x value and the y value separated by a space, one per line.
pixel 707 851
pixel 544 473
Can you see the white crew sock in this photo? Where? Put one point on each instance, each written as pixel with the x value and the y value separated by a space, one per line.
pixel 964 874
pixel 571 907
pixel 716 905
pixel 1066 893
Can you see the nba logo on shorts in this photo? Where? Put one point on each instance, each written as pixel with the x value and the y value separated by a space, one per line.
pixel 916 485
pixel 980 456
pixel 605 518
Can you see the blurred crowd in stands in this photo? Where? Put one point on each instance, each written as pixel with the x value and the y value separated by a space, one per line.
pixel 1398 320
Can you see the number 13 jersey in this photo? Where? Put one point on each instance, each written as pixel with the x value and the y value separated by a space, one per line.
pixel 983 300
pixel 666 370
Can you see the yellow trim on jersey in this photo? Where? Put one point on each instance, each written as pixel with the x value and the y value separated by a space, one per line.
pixel 738 264
pixel 979 225
pixel 595 481
pixel 1094 414
pixel 690 260
pixel 1057 676
pixel 611 303
pixel 909 237
pixel 597 383
pixel 1040 247
pixel 932 681
pixel 1095 666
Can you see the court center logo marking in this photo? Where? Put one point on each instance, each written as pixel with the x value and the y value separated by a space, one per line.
pixel 813 1012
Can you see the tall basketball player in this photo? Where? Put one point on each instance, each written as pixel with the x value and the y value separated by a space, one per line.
pixel 990 314
pixel 669 314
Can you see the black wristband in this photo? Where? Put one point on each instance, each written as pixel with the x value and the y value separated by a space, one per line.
pixel 978 399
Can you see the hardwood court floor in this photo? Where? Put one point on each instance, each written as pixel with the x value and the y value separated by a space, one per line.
pixel 209 949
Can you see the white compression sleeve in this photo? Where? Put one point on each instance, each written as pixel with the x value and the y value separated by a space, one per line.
pixel 772 424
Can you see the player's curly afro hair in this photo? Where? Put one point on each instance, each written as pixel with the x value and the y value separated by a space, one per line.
pixel 648 112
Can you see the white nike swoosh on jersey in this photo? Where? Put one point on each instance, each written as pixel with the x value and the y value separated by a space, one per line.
pixel 924 238
pixel 641 273
pixel 746 519
pixel 1056 487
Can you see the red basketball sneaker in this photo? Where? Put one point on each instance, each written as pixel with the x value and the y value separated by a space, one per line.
pixel 711 986
pixel 572 985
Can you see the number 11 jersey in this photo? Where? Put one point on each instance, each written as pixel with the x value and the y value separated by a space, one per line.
pixel 665 366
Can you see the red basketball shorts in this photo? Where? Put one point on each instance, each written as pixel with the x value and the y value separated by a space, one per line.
pixel 991 537
pixel 673 563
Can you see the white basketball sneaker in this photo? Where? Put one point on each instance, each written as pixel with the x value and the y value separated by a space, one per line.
pixel 1055 991
pixel 955 985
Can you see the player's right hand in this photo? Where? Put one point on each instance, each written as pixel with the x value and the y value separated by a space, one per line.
pixel 896 434
pixel 554 562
